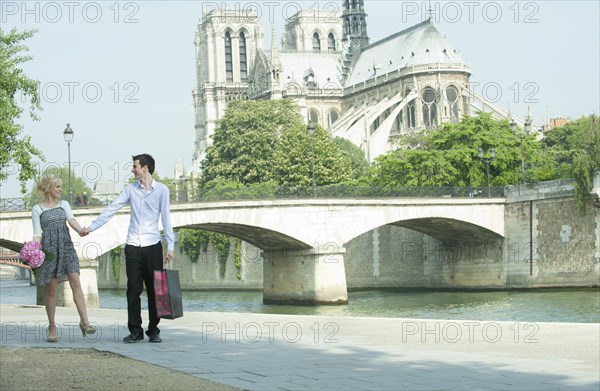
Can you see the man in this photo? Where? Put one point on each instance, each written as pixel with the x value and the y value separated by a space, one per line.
pixel 149 201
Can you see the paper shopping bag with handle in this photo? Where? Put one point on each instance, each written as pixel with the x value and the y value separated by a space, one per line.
pixel 167 293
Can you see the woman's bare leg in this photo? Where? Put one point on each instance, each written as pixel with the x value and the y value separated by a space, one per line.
pixel 50 304
pixel 78 297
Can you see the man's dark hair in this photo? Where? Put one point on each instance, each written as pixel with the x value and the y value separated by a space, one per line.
pixel 145 160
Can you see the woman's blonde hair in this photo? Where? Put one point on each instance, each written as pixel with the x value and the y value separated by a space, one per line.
pixel 47 181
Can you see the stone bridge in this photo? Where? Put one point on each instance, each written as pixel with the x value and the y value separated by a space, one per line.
pixel 302 239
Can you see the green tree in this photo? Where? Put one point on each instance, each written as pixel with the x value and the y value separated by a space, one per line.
pixel 266 142
pixel 449 156
pixel 245 139
pixel 358 162
pixel 295 153
pixel 14 146
pixel 572 151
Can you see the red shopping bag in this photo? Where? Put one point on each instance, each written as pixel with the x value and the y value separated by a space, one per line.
pixel 167 294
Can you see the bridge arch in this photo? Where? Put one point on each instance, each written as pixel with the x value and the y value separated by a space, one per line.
pixel 449 230
pixel 307 223
pixel 302 239
pixel 263 238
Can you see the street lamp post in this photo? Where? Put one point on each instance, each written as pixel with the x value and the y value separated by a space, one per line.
pixel 487 160
pixel 311 130
pixel 68 134
pixel 513 125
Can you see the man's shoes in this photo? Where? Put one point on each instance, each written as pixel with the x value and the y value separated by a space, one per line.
pixel 154 338
pixel 131 338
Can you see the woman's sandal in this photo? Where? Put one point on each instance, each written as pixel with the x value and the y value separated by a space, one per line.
pixel 52 338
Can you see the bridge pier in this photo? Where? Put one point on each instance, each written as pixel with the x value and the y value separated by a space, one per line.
pixel 89 285
pixel 305 277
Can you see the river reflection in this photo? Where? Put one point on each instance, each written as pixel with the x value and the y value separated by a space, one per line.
pixel 541 305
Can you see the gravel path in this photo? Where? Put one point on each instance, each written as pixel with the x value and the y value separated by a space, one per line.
pixel 89 369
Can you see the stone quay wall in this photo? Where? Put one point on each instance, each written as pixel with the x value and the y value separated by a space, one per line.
pixel 550 242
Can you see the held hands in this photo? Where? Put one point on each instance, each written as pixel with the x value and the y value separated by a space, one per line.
pixel 84 231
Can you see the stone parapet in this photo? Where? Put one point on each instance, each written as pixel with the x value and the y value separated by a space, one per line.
pixel 543 190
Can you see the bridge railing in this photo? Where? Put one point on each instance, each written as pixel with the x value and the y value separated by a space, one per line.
pixel 12 204
pixel 270 192
pixel 343 192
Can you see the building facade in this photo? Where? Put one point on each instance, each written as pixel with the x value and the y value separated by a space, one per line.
pixel 368 93
pixel 226 45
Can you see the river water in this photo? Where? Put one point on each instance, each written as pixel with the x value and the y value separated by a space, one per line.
pixel 540 305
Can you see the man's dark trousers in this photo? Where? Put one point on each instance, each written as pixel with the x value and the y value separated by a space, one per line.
pixel 140 263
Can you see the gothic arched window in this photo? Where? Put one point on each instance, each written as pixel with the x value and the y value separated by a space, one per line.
pixel 333 116
pixel 313 116
pixel 429 108
pixel 292 42
pixel 243 59
pixel 411 114
pixel 452 95
pixel 331 44
pixel 228 58
pixel 399 120
pixel 316 42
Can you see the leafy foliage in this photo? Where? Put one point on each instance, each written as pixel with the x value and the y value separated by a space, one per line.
pixel 193 242
pixel 449 156
pixel 115 261
pixel 13 145
pixel 266 142
pixel 221 243
pixel 573 151
pixel 358 163
pixel 224 189
pixel 245 140
pixel 237 258
pixel 294 156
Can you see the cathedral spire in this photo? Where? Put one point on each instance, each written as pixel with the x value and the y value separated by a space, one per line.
pixel 354 25
pixel 273 38
pixel 430 13
pixel 528 120
pixel 275 61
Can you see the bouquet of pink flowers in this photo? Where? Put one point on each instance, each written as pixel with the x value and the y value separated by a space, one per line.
pixel 32 254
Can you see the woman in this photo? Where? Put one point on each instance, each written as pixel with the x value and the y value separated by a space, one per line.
pixel 49 228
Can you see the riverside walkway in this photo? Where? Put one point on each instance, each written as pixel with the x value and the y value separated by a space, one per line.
pixel 289 352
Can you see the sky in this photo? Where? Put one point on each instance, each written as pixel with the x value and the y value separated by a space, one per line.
pixel 121 73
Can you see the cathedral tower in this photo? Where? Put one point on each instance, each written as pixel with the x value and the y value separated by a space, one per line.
pixel 354 25
pixel 226 43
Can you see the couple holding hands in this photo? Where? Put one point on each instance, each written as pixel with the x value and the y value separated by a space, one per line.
pixel 149 202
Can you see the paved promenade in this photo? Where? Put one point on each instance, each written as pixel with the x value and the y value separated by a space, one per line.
pixel 284 352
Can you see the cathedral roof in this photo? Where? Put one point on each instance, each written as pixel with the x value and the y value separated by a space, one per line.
pixel 324 66
pixel 419 45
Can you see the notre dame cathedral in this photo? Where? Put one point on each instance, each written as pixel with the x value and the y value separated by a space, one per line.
pixel 366 92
